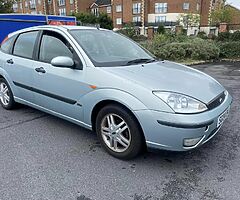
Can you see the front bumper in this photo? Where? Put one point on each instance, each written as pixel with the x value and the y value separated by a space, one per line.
pixel 168 130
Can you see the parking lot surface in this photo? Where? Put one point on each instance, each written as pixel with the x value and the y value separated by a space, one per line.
pixel 44 157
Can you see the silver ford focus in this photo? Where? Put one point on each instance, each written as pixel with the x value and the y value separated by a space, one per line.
pixel 107 83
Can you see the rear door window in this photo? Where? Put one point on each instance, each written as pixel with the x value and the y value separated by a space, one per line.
pixel 24 45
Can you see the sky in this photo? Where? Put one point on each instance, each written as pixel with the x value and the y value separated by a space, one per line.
pixel 235 3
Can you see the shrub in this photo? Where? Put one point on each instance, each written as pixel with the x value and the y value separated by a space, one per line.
pixel 160 39
pixel 181 38
pixel 230 49
pixel 202 34
pixel 161 29
pixel 225 36
pixel 139 38
pixel 173 51
pixel 192 48
pixel 128 30
pixel 235 36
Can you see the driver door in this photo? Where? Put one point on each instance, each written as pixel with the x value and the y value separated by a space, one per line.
pixel 58 89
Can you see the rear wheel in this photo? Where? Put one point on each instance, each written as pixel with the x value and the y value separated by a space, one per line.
pixel 119 132
pixel 6 95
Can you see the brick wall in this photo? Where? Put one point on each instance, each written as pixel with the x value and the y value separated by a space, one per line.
pixel 175 7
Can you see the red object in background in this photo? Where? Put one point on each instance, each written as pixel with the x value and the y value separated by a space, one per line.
pixel 6 38
pixel 58 23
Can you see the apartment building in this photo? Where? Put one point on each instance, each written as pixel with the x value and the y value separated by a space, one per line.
pixel 52 7
pixel 143 13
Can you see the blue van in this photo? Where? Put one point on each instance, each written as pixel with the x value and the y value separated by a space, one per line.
pixel 13 22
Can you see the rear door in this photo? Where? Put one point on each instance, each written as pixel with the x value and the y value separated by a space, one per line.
pixel 19 65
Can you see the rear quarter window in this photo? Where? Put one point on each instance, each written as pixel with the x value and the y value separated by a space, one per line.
pixel 24 44
pixel 7 44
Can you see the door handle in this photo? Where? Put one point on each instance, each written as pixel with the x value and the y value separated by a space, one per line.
pixel 40 70
pixel 10 61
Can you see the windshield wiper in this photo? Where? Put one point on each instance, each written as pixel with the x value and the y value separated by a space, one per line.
pixel 140 60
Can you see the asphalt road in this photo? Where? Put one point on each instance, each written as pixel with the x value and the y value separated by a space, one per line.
pixel 44 157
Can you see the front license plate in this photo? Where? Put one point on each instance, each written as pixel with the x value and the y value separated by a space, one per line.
pixel 223 117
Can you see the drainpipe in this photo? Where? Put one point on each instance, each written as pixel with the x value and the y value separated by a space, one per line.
pixel 143 16
pixel 54 7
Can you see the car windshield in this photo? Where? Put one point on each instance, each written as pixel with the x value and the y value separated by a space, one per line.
pixel 109 49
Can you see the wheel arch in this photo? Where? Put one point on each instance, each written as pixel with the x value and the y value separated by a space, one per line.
pixel 104 103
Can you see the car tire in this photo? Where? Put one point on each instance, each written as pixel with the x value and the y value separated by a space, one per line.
pixel 6 95
pixel 119 132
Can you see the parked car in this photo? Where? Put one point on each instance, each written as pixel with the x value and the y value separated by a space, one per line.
pixel 107 83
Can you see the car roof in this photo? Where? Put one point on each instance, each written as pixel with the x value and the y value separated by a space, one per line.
pixel 51 27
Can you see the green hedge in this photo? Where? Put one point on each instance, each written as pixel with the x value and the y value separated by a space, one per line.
pixel 227 37
pixel 193 48
pixel 229 49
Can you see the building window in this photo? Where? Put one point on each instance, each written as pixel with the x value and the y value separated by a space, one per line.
pixel 159 19
pixel 161 7
pixel 62 11
pixel 137 19
pixel 95 11
pixel 136 8
pixel 109 9
pixel 118 8
pixel 119 21
pixel 32 4
pixel 71 2
pixel 186 6
pixel 15 7
pixel 49 1
pixel 61 3
pixel 39 2
pixel 26 4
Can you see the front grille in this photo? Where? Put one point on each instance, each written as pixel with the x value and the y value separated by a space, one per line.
pixel 217 101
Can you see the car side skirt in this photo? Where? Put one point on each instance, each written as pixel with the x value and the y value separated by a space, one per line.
pixel 80 123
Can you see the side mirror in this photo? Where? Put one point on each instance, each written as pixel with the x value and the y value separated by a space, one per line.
pixel 62 61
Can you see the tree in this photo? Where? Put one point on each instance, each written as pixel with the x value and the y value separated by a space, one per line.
pixel 221 14
pixel 88 18
pixel 6 6
pixel 189 20
pixel 105 21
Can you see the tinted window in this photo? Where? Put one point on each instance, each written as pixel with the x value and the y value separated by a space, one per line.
pixel 25 44
pixel 53 45
pixel 6 45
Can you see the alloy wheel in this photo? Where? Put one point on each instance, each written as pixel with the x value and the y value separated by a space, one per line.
pixel 115 133
pixel 4 94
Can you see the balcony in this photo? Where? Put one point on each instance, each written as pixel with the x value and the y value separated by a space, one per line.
pixel 156 24
pixel 136 24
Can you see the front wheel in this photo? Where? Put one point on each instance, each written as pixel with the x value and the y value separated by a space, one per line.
pixel 119 132
pixel 6 95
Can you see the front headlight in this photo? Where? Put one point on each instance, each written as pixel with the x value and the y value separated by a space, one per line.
pixel 181 103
